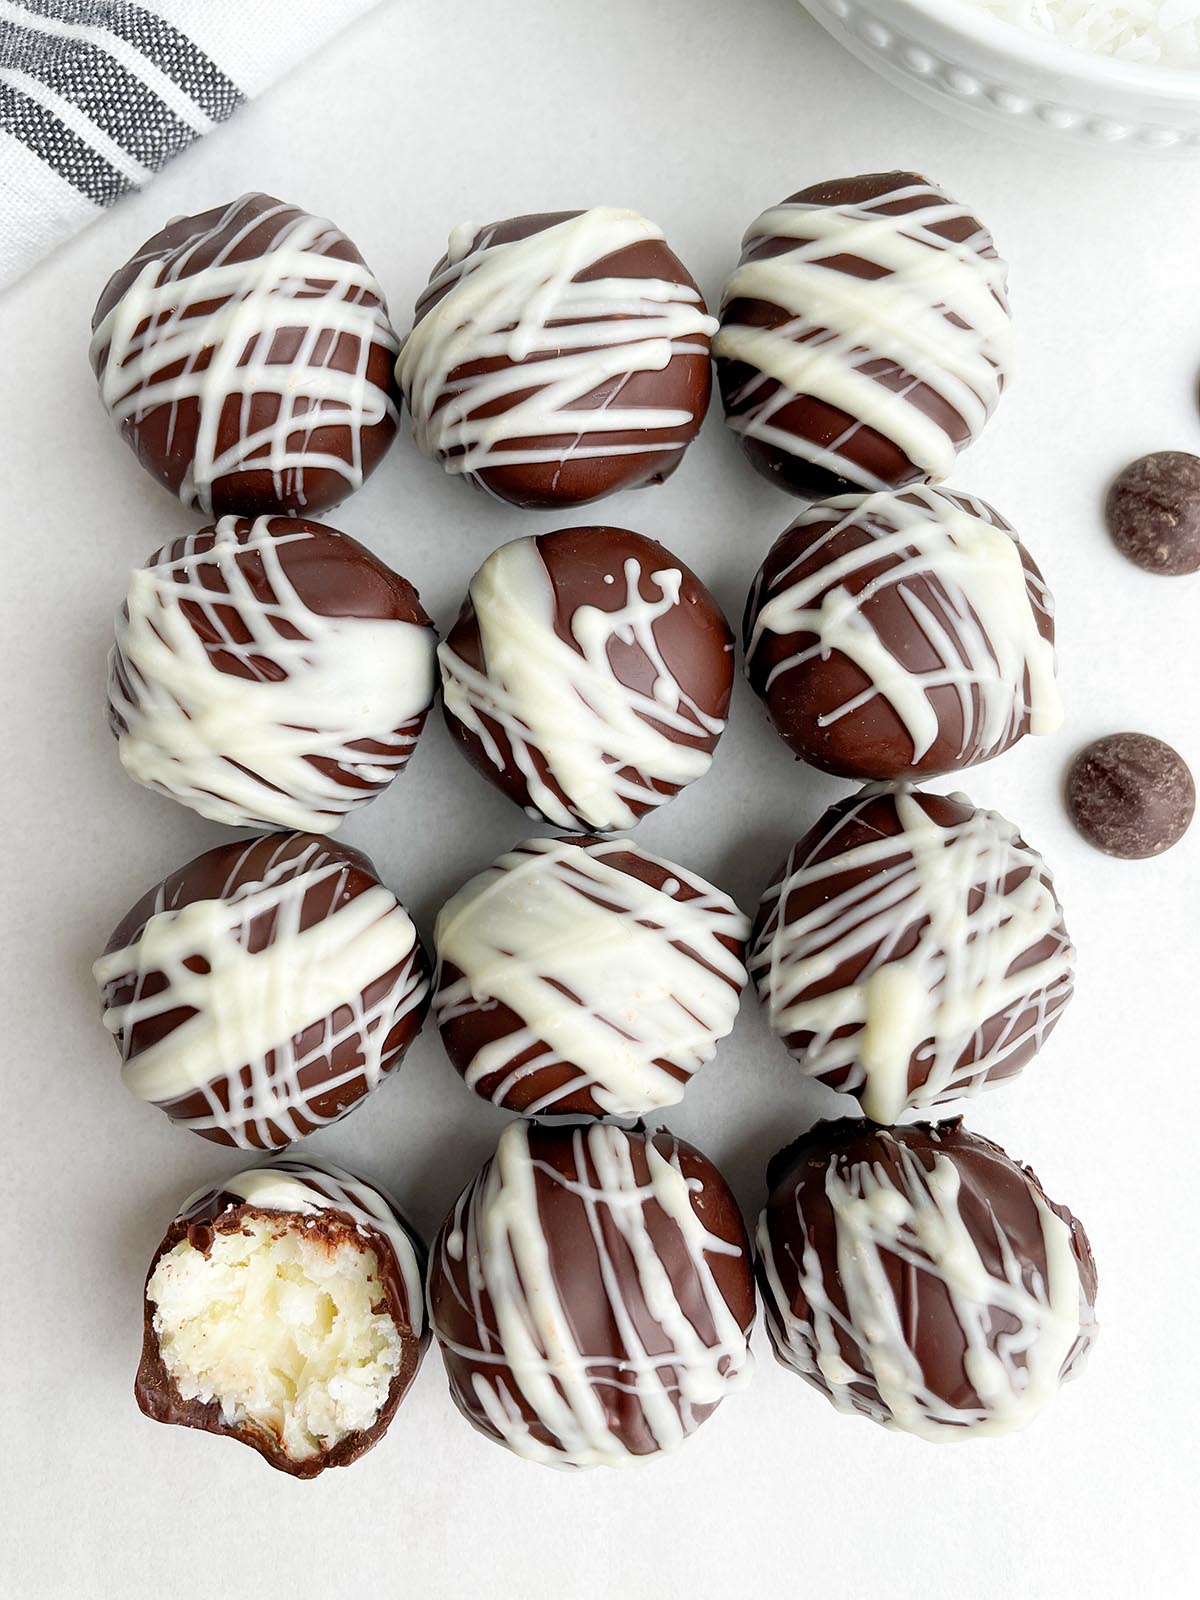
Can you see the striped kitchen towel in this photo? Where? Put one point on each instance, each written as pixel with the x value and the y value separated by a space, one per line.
pixel 96 95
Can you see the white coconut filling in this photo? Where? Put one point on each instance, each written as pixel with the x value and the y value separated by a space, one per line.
pixel 278 1328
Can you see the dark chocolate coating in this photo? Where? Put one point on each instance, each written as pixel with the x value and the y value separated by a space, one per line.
pixel 164 437
pixel 333 576
pixel 221 1212
pixel 870 741
pixel 575 1235
pixel 693 638
pixel 1006 1041
pixel 553 1087
pixel 1153 512
pixel 1131 795
pixel 328 1056
pixel 878 459
pixel 996 1202
pixel 684 384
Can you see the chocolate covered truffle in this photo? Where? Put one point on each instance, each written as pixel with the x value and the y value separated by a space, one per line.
pixel 865 335
pixel 558 358
pixel 911 950
pixel 588 676
pixel 262 990
pixel 285 1309
pixel 1153 512
pixel 919 1277
pixel 592 1294
pixel 586 976
pixel 269 673
pixel 1131 795
pixel 902 635
pixel 246 356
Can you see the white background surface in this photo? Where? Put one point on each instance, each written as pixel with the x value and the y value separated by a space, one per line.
pixel 426 114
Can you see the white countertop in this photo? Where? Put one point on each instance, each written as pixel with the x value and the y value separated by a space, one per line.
pixel 426 114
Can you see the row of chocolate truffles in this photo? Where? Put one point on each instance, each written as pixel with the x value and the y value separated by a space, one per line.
pixel 592 1291
pixel 248 358
pixel 274 673
pixel 909 951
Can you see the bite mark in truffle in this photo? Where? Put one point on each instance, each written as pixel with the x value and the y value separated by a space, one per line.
pixel 285 1308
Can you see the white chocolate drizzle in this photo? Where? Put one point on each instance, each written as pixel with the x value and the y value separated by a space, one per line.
pixel 247 751
pixel 305 1189
pixel 496 1235
pixel 604 744
pixel 982 630
pixel 1015 1371
pixel 518 307
pixel 934 308
pixel 253 1012
pixel 609 975
pixel 967 903
pixel 227 350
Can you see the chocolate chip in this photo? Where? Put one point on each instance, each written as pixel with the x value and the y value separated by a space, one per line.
pixel 1130 795
pixel 1153 512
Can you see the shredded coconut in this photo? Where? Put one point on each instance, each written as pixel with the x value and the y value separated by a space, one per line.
pixel 1165 31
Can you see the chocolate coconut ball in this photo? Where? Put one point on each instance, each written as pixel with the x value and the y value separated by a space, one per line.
pixel 555 359
pixel 587 977
pixel 911 950
pixel 919 1277
pixel 246 356
pixel 285 1308
pixel 865 335
pixel 264 989
pixel 587 676
pixel 902 635
pixel 269 673
pixel 592 1294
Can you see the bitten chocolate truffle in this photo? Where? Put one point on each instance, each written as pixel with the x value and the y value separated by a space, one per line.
pixel 1153 512
pixel 865 335
pixel 262 990
pixel 911 950
pixel 246 356
pixel 592 1294
pixel 269 673
pixel 285 1309
pixel 586 976
pixel 587 676
pixel 902 635
pixel 1131 795
pixel 919 1277
pixel 558 358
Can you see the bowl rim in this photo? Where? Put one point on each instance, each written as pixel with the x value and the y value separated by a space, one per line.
pixel 1046 52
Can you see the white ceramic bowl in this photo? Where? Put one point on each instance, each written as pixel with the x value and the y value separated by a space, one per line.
pixel 978 66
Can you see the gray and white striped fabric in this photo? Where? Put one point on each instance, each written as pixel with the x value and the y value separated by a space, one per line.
pixel 96 95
